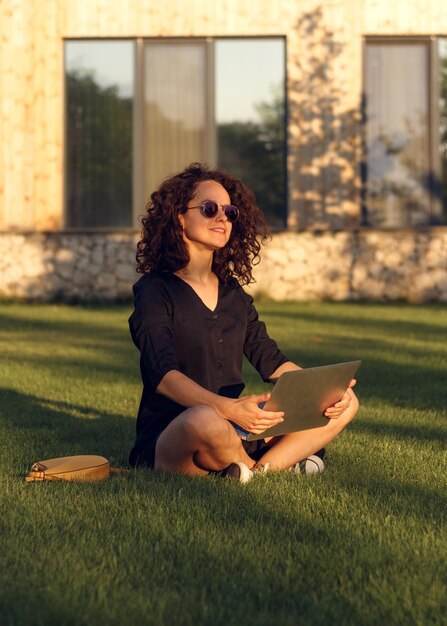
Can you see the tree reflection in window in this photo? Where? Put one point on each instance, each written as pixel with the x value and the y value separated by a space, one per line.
pixel 98 137
pixel 250 118
pixel 254 151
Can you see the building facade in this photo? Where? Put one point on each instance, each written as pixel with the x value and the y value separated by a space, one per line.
pixel 334 112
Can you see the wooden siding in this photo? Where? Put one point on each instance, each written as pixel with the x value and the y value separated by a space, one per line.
pixel 324 65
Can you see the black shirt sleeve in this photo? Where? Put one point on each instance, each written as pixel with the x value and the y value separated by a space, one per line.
pixel 151 327
pixel 262 351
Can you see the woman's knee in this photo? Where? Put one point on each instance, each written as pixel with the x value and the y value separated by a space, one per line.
pixel 203 423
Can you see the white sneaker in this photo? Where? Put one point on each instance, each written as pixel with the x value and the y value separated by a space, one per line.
pixel 312 465
pixel 237 471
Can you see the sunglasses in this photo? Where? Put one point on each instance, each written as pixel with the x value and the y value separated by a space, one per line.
pixel 209 208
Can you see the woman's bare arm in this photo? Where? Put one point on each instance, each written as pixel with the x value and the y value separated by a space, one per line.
pixel 244 411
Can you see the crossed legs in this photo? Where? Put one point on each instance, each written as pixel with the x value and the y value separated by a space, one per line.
pixel 289 449
pixel 199 440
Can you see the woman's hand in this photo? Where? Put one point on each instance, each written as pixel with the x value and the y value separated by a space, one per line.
pixel 245 412
pixel 337 409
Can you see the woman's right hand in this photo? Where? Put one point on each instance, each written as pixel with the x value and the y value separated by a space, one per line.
pixel 247 413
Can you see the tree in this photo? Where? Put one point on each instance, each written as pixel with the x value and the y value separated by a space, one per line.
pixel 255 152
pixel 99 154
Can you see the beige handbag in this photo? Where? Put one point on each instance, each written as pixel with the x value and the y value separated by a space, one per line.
pixel 87 467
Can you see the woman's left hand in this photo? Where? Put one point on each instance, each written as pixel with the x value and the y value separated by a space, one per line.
pixel 337 409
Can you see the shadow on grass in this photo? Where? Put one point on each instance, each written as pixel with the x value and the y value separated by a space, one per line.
pixel 213 527
pixel 110 348
pixel 198 552
pixel 382 377
pixel 424 433
pixel 39 428
pixel 197 543
pixel 88 319
pixel 401 385
pixel 225 542
pixel 112 363
pixel 82 329
pixel 341 315
pixel 402 375
pixel 392 497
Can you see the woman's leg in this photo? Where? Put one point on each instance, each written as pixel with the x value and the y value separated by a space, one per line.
pixel 199 440
pixel 289 449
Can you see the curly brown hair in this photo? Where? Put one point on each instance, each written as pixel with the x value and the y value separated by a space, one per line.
pixel 162 247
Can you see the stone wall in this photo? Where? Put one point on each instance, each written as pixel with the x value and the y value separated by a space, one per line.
pixel 67 266
pixel 357 265
pixel 370 265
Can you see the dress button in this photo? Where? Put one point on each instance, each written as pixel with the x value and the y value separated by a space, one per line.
pixel 219 340
pixel 215 317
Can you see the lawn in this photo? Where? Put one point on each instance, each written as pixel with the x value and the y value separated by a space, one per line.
pixel 364 543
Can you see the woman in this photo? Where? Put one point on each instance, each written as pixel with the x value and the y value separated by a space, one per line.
pixel 192 324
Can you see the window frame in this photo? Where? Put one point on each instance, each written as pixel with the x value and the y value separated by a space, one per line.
pixel 65 216
pixel 138 148
pixel 433 91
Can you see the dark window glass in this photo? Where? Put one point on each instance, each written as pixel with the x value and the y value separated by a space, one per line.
pixel 99 103
pixel 192 106
pixel 250 119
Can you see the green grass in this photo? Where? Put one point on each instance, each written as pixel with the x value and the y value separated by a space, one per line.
pixel 364 543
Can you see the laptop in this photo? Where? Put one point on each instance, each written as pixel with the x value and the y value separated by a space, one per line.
pixel 304 395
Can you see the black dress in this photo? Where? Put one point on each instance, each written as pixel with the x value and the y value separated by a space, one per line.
pixel 174 330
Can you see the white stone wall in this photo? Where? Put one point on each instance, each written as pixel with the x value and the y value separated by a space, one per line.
pixel 67 266
pixel 369 265
pixel 362 265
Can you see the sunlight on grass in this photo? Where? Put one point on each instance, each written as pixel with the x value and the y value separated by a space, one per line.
pixel 363 543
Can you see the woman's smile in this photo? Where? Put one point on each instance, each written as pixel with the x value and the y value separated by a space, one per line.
pixel 219 229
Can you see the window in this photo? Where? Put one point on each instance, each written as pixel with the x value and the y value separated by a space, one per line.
pixel 99 104
pixel 138 111
pixel 442 49
pixel 175 104
pixel 406 132
pixel 250 118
